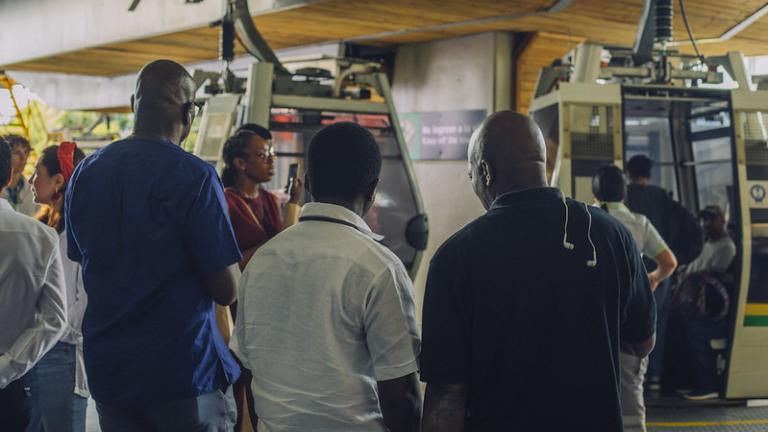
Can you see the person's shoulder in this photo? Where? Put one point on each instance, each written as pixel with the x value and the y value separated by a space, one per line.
pixel 652 190
pixel 22 223
pixel 727 242
pixel 608 224
pixel 461 239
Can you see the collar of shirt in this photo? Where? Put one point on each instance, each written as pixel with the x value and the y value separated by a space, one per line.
pixel 526 195
pixel 613 206
pixel 339 213
pixel 5 205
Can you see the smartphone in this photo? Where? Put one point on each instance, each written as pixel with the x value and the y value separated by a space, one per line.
pixel 293 171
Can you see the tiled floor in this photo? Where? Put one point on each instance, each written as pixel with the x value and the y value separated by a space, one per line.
pixel 708 419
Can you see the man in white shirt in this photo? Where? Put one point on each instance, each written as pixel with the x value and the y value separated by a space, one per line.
pixel 692 327
pixel 719 249
pixel 32 304
pixel 326 318
pixel 19 191
pixel 609 187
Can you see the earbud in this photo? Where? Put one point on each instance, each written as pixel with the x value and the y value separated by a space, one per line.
pixel 593 261
pixel 566 244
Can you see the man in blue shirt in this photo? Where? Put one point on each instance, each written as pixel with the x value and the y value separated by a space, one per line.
pixel 148 223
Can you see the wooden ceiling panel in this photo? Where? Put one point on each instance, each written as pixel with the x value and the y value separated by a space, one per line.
pixel 379 22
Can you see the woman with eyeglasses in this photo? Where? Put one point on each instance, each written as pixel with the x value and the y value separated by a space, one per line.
pixel 255 214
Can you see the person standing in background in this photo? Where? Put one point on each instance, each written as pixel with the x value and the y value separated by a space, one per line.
pixel 326 318
pixel 609 188
pixel 19 192
pixel 33 308
pixel 255 212
pixel 61 389
pixel 148 222
pixel 680 231
pixel 256 217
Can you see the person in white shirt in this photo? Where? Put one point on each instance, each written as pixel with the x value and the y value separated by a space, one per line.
pixel 719 249
pixel 33 310
pixel 609 188
pixel 693 323
pixel 19 191
pixel 326 318
pixel 61 391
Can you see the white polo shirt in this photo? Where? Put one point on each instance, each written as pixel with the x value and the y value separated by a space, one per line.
pixel 324 312
pixel 648 240
pixel 33 311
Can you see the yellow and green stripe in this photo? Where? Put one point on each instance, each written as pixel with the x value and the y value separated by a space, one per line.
pixel 707 424
pixel 756 315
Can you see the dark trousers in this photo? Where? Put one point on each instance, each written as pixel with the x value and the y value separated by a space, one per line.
pixel 17 411
pixel 690 358
pixel 210 412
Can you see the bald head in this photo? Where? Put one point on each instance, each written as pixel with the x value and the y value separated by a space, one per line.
pixel 163 101
pixel 506 153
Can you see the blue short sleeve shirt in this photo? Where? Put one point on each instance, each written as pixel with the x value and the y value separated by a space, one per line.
pixel 147 220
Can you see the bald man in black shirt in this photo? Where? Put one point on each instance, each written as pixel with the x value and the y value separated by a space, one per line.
pixel 526 308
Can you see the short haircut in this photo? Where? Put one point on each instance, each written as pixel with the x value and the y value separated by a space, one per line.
pixel 342 161
pixel 261 131
pixel 5 163
pixel 639 167
pixel 608 184
pixel 17 140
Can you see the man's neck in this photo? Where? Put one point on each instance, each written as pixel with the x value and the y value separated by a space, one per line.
pixel 713 237
pixel 357 207
pixel 640 181
pixel 518 187
pixel 155 134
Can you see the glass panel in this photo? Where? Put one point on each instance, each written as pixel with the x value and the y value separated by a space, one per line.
pixel 395 203
pixel 709 117
pixel 651 137
pixel 714 171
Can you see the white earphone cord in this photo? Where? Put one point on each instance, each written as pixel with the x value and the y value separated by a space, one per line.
pixel 568 245
pixel 593 261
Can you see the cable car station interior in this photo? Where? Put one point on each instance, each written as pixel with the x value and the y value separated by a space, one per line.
pixel 664 94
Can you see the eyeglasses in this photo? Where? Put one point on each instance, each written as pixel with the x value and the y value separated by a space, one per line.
pixel 264 155
pixel 198 107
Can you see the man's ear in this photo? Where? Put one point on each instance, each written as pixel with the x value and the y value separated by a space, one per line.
pixel 133 100
pixel 307 184
pixel 486 172
pixel 370 192
pixel 187 114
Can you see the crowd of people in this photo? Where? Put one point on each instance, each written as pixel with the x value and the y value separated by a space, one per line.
pixel 184 301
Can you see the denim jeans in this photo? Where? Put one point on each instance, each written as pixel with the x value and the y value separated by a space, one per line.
pixel 17 411
pixel 61 410
pixel 210 412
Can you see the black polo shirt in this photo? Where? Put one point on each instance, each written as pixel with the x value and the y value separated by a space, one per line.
pixel 530 328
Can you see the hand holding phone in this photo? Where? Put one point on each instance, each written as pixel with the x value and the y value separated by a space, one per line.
pixel 294 186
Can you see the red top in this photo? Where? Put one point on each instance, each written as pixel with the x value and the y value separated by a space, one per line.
pixel 255 220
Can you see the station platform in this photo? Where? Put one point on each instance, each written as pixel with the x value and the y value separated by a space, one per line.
pixel 706 417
